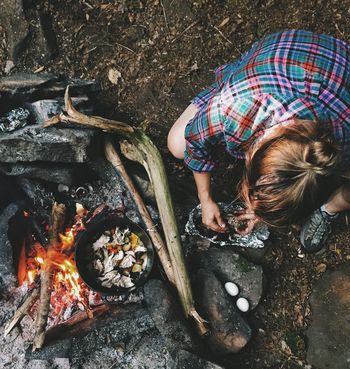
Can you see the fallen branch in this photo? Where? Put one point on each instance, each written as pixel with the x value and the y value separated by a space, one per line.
pixel 114 158
pixel 149 156
pixel 57 220
pixel 21 311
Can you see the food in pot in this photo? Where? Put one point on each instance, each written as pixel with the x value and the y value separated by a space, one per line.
pixel 119 258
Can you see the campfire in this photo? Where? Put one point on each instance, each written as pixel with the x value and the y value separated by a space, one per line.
pixel 52 269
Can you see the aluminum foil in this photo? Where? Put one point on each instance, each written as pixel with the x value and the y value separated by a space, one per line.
pixel 255 239
pixel 16 118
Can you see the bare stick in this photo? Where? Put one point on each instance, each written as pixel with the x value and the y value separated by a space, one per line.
pixel 21 311
pixel 113 157
pixel 57 221
pixel 151 159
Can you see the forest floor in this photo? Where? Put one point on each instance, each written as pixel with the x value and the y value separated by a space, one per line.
pixel 162 53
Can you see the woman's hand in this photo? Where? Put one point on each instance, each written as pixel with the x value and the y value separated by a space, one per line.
pixel 211 217
pixel 248 217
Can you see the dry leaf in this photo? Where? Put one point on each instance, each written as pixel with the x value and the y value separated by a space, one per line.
pixel 321 268
pixel 224 22
pixel 114 75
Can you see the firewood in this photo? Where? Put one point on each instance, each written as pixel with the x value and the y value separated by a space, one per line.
pixel 21 311
pixel 149 156
pixel 78 323
pixel 114 158
pixel 57 221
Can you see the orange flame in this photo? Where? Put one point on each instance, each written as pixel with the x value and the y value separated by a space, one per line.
pixel 67 286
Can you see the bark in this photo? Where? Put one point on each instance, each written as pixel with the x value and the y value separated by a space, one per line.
pixel 57 221
pixel 114 158
pixel 21 311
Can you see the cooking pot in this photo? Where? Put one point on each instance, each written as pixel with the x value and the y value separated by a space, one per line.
pixel 84 255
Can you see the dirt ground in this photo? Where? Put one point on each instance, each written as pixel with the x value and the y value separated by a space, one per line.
pixel 163 52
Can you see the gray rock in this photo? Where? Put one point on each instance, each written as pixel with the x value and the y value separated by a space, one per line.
pixel 329 329
pixel 7 270
pixel 229 330
pixel 168 318
pixel 28 87
pixel 60 145
pixel 120 324
pixel 186 360
pixel 45 42
pixel 43 110
pixel 51 172
pixel 231 267
pixel 12 18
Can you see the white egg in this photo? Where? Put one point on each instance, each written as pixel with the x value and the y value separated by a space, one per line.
pixel 231 288
pixel 242 304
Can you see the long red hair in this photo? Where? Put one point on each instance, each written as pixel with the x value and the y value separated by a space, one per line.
pixel 290 172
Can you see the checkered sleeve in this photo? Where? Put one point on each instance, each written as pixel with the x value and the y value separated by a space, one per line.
pixel 202 134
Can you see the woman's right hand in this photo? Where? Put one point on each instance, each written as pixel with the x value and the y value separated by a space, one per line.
pixel 211 217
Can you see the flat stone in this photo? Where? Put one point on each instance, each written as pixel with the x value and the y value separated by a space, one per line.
pixel 187 360
pixel 168 318
pixel 60 145
pixel 329 329
pixel 228 266
pixel 229 330
pixel 43 110
pixel 13 19
pixel 52 172
pixel 29 87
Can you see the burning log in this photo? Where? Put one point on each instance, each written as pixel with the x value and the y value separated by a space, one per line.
pixel 57 220
pixel 140 148
pixel 21 311
pixel 114 158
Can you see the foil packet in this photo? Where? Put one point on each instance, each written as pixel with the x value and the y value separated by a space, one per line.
pixel 255 239
pixel 15 119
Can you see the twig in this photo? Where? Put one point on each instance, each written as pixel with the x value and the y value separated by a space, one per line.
pixel 222 35
pixel 164 14
pixel 184 31
pixel 21 311
pixel 126 47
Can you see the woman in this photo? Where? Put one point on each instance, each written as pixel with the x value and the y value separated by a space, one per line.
pixel 284 107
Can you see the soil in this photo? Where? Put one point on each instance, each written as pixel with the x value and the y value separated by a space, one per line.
pixel 163 52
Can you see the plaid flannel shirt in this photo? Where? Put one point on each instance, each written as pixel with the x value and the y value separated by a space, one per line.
pixel 284 75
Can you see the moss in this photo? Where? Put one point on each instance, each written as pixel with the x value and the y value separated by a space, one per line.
pixel 244 265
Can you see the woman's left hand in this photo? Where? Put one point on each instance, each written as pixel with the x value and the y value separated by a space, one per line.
pixel 246 216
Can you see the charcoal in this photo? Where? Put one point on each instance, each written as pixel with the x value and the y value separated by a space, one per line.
pixel 35 143
pixel 7 269
pixel 231 267
pixel 229 330
pixel 16 118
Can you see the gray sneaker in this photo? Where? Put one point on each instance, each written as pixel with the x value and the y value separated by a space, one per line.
pixel 316 230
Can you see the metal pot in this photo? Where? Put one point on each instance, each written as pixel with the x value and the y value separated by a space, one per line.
pixel 84 252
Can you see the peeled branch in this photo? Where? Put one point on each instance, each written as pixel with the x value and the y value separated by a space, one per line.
pixel 140 148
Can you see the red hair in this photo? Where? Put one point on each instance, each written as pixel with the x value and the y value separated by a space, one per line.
pixel 290 172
